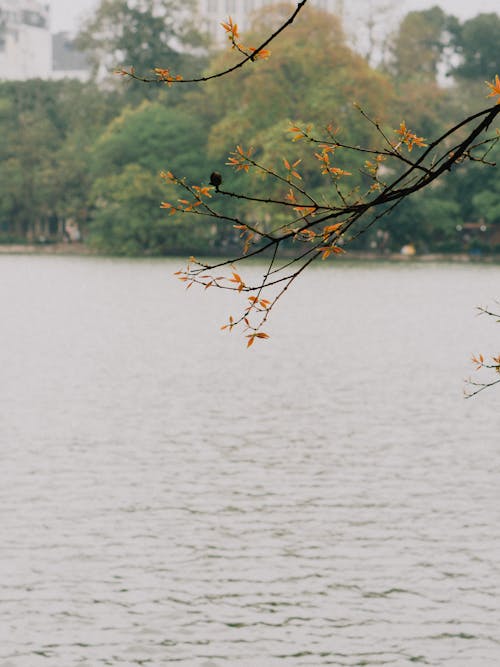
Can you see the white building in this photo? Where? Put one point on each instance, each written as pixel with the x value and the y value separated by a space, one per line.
pixel 67 62
pixel 215 11
pixel 28 50
pixel 25 39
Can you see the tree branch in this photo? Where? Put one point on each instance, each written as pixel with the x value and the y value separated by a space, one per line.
pixel 248 57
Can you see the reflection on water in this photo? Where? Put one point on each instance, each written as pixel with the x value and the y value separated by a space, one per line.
pixel 325 498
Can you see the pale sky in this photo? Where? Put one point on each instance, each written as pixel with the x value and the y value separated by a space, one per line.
pixel 66 14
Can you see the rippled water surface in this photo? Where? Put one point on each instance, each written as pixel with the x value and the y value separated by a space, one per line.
pixel 325 498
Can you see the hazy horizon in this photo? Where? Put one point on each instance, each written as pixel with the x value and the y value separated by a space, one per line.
pixel 67 17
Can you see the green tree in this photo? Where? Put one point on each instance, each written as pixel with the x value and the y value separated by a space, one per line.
pixel 258 102
pixel 127 190
pixel 476 43
pixel 27 141
pixel 143 34
pixel 44 151
pixel 429 221
pixel 417 47
pixel 484 195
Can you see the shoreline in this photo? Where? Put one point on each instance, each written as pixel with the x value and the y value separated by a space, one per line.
pixel 45 249
pixel 81 249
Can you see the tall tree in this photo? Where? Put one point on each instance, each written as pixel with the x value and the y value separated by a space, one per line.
pixel 418 46
pixel 142 34
pixel 44 153
pixel 127 188
pixel 476 43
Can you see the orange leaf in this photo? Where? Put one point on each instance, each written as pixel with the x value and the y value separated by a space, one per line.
pixel 494 88
pixel 332 228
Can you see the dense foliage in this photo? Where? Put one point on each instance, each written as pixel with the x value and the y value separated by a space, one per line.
pixel 93 154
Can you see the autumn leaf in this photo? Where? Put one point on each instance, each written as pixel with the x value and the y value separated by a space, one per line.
pixel 298 133
pixel 240 159
pixel 305 210
pixel 409 138
pixel 335 171
pixel 479 360
pixel 203 191
pixel 258 334
pixel 230 325
pixel 231 29
pixel 332 228
pixel 326 251
pixel 402 129
pixel 165 75
pixel 262 54
pixel 237 279
pixel 494 88
pixel 309 234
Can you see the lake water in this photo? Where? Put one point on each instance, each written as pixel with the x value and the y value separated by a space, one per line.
pixel 326 497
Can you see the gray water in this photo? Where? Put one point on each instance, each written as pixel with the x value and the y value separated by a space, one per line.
pixel 326 497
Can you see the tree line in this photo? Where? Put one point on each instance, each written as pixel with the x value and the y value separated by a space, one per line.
pixel 89 156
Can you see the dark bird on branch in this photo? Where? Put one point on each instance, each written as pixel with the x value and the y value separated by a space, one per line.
pixel 215 179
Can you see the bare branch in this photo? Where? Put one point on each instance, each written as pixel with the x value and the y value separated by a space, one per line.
pixel 313 226
pixel 164 75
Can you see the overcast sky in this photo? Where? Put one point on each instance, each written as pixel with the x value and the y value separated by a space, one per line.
pixel 66 14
